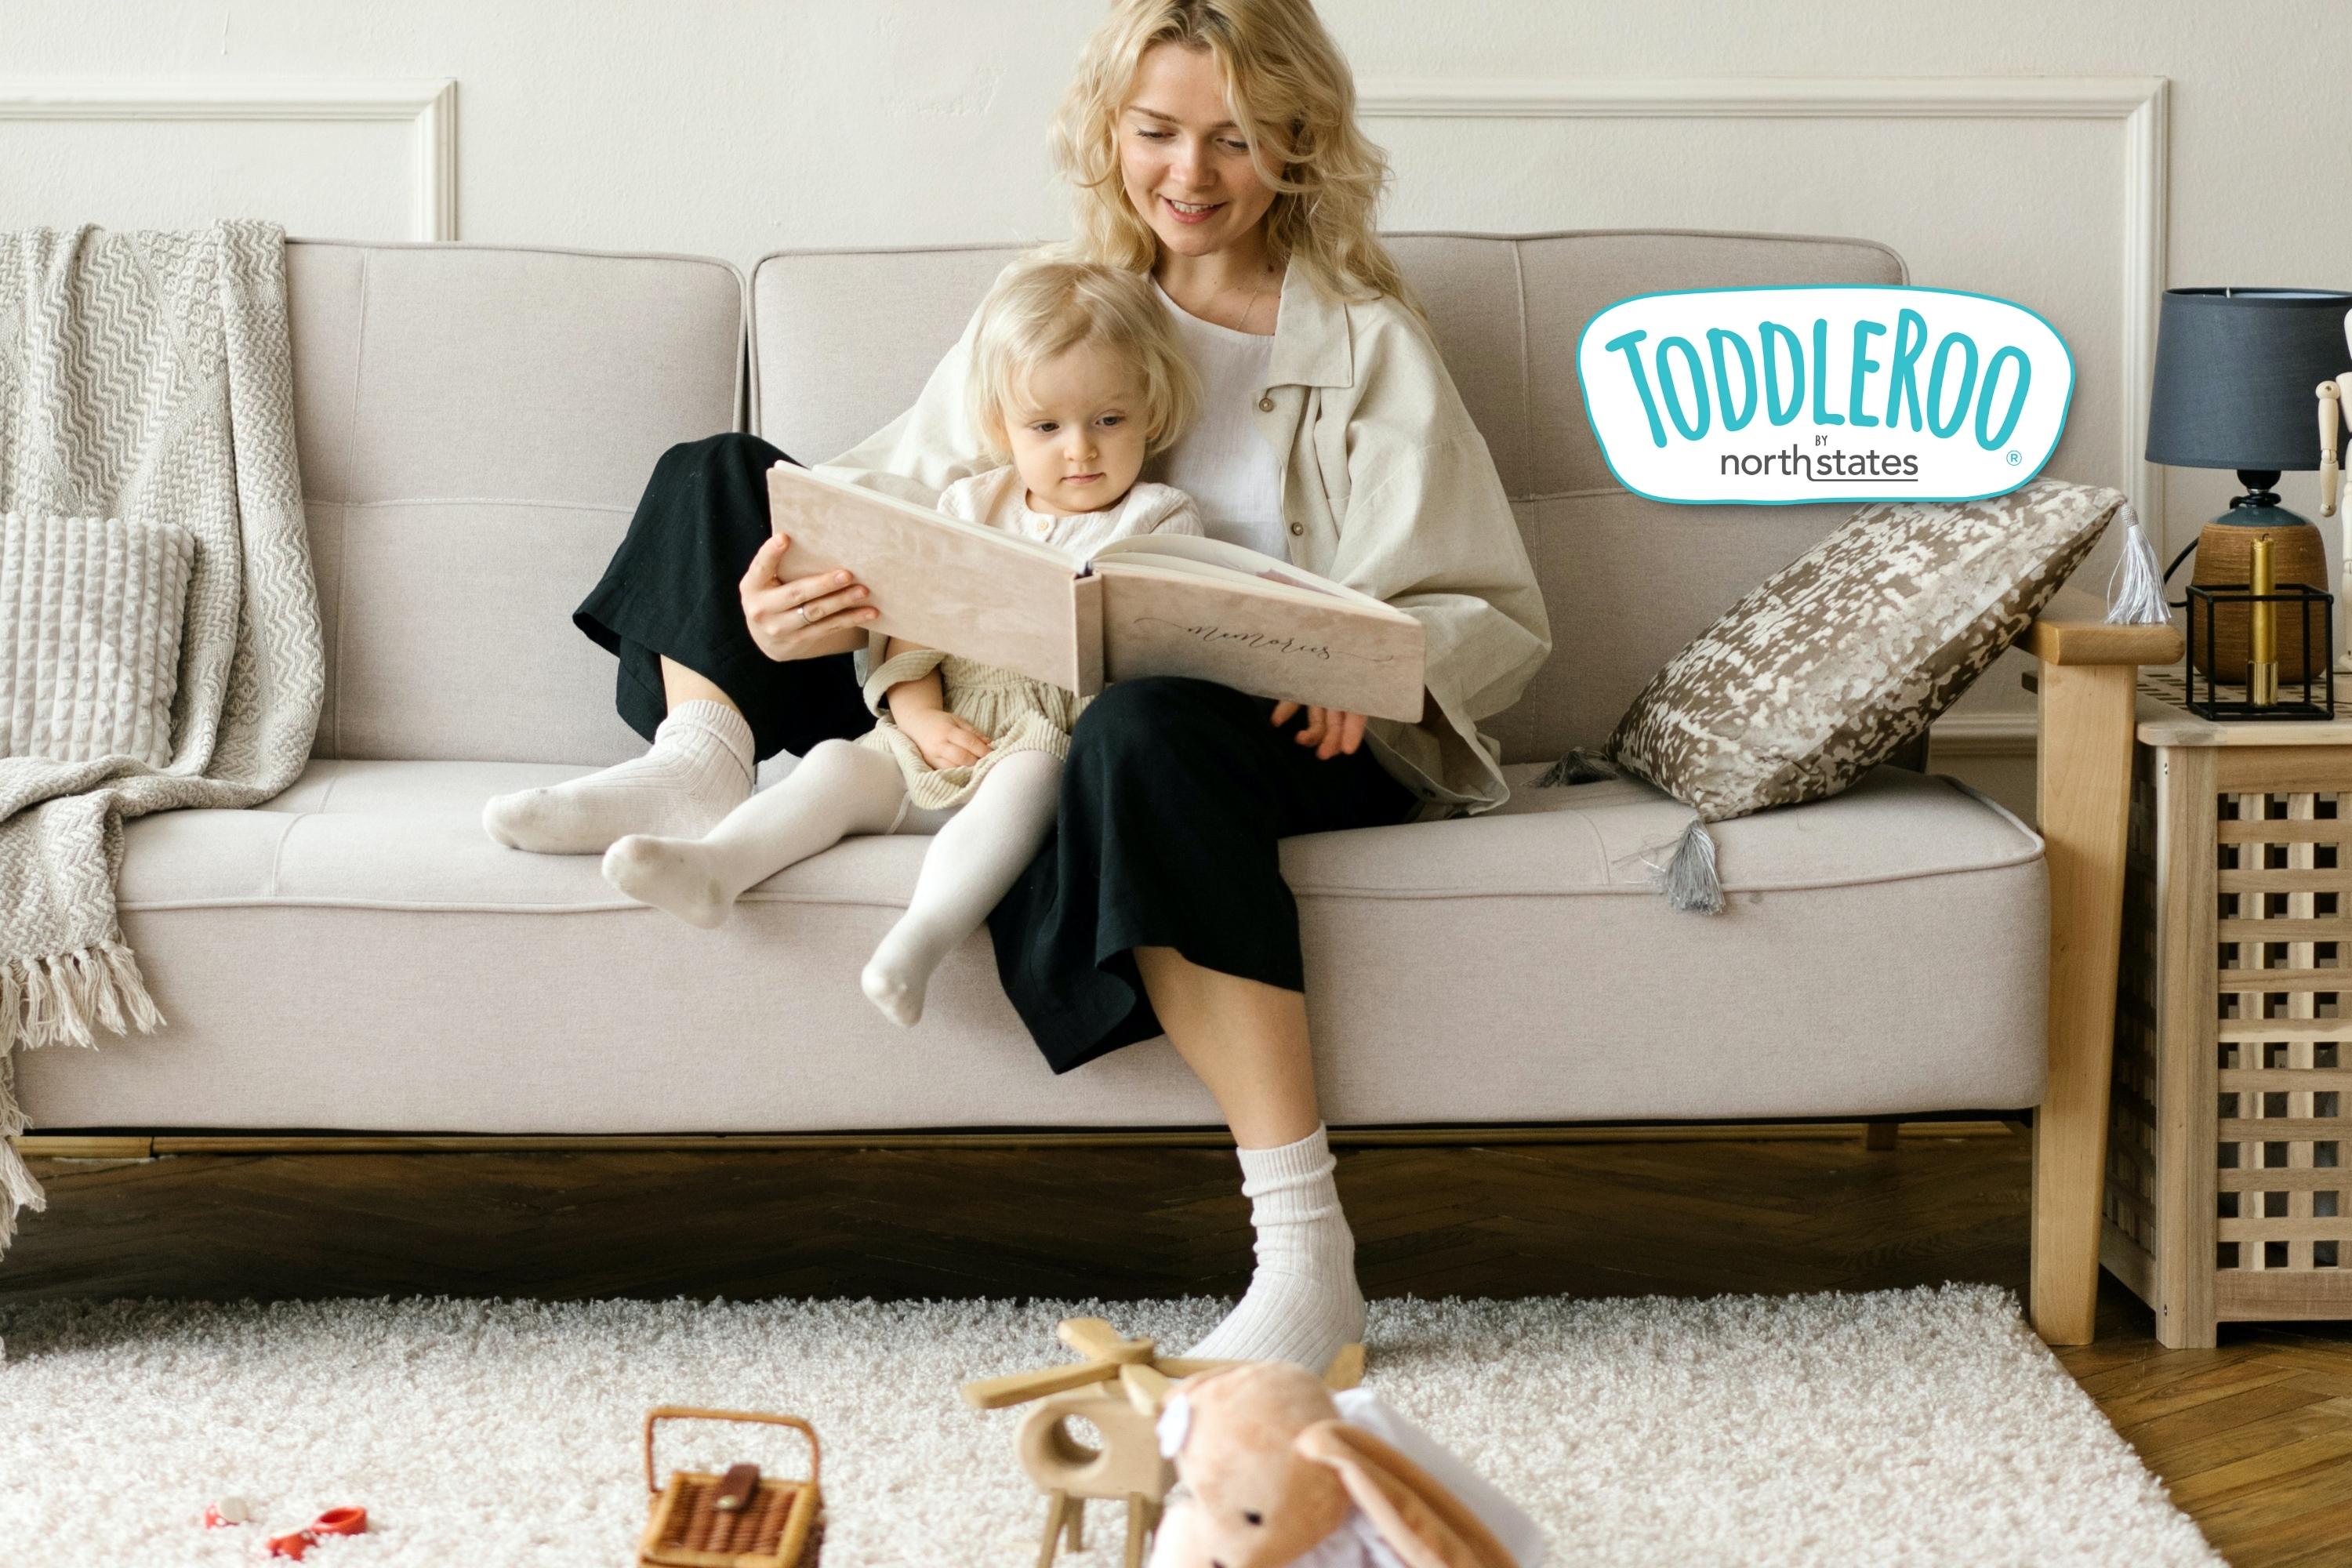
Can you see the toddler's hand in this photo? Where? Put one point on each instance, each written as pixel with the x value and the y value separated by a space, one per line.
pixel 945 741
pixel 1330 730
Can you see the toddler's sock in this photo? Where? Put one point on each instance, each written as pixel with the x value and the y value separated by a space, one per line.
pixel 1303 1304
pixel 838 789
pixel 698 769
pixel 969 866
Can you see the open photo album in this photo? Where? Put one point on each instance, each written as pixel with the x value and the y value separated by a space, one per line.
pixel 1153 605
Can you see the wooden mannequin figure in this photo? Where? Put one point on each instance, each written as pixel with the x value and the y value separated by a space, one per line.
pixel 2335 404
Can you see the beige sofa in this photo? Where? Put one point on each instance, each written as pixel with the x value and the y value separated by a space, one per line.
pixel 475 424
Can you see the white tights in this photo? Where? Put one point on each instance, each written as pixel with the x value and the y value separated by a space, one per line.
pixel 840 789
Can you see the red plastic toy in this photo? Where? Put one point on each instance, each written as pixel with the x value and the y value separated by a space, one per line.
pixel 334 1521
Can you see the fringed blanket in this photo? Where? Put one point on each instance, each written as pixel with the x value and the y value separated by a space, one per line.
pixel 148 375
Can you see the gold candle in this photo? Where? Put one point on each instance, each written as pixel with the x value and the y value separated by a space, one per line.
pixel 2262 640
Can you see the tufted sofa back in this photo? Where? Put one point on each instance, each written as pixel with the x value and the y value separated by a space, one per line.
pixel 476 423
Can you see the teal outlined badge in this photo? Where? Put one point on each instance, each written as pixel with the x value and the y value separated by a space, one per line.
pixel 1783 397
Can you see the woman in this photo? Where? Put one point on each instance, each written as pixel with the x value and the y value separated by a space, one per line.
pixel 1212 144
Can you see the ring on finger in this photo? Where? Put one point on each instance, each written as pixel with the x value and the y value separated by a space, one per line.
pixel 805 619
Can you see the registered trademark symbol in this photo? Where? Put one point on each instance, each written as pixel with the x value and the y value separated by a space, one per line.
pixel 2015 456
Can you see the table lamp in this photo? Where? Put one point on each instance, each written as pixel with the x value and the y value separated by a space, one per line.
pixel 2234 369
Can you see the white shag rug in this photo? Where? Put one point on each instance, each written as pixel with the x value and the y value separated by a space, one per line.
pixel 1924 1426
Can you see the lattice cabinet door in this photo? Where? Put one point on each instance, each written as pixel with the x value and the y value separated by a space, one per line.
pixel 2229 1197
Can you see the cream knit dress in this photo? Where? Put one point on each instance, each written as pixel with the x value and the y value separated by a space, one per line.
pixel 1016 713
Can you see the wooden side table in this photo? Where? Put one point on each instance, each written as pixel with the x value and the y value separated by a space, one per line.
pixel 2229 1191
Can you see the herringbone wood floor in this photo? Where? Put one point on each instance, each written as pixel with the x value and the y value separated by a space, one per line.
pixel 2255 1439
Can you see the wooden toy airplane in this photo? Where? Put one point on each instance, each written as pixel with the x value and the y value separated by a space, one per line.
pixel 1129 1464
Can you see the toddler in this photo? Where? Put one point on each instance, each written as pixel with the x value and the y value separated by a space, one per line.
pixel 1076 378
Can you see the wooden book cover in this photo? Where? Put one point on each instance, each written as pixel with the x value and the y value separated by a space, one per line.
pixel 1153 605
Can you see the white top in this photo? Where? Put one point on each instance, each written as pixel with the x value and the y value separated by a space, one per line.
pixel 1223 461
pixel 997 498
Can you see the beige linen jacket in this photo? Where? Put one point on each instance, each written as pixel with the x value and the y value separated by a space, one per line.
pixel 1386 487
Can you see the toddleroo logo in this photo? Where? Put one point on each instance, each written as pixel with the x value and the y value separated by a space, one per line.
pixel 1825 392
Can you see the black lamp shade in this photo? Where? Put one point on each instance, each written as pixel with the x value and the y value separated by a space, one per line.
pixel 2235 370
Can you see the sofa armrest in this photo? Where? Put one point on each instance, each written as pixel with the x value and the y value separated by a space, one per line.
pixel 2072 629
pixel 2087 677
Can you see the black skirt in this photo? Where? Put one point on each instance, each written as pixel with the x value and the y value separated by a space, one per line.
pixel 1174 797
pixel 1173 800
pixel 674 588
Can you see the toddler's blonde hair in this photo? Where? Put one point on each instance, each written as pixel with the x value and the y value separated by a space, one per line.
pixel 1292 94
pixel 1044 306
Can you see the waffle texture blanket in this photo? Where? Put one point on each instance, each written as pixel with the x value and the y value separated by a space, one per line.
pixel 147 376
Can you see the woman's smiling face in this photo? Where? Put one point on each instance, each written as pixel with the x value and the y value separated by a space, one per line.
pixel 1185 163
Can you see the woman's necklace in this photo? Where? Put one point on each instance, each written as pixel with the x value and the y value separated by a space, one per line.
pixel 1258 295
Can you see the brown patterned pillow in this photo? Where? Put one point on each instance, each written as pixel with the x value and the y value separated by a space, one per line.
pixel 1844 655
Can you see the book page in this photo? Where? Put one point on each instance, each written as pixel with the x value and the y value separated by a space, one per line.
pixel 1265 638
pixel 1286 584
pixel 961 587
pixel 1216 557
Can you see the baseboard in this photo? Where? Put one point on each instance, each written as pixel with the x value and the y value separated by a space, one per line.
pixel 141 1146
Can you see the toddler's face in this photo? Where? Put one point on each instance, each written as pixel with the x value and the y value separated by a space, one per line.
pixel 1077 431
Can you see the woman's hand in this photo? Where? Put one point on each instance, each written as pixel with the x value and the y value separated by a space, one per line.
pixel 806 617
pixel 945 741
pixel 1330 730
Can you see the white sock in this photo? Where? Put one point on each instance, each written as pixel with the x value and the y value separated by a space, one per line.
pixel 837 790
pixel 973 863
pixel 698 769
pixel 1303 1302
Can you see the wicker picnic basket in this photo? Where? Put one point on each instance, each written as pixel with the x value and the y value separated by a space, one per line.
pixel 740 1519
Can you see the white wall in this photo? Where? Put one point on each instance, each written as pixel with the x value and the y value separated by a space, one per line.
pixel 731 127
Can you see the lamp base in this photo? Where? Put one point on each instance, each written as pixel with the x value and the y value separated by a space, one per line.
pixel 2225 554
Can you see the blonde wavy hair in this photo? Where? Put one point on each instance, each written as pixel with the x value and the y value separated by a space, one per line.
pixel 1045 304
pixel 1290 90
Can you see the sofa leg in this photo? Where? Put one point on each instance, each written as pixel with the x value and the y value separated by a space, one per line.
pixel 1878 1134
pixel 2084 779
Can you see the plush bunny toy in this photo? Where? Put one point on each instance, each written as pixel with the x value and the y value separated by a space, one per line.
pixel 1283 1474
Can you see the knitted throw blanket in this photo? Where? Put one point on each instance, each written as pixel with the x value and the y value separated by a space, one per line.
pixel 148 375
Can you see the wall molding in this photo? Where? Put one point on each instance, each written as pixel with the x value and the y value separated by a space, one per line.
pixel 429 107
pixel 2138 104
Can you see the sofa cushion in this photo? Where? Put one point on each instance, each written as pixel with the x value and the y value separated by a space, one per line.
pixel 358 955
pixel 93 608
pixel 475 424
pixel 1849 652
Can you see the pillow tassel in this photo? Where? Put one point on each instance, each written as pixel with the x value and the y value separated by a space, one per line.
pixel 1688 878
pixel 1578 765
pixel 2136 588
